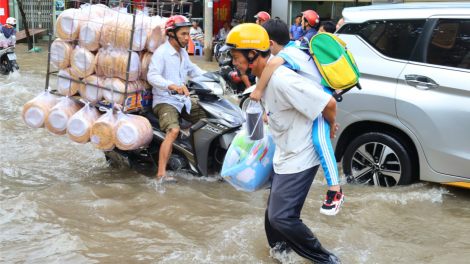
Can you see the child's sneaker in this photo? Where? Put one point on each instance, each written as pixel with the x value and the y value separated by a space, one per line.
pixel 333 202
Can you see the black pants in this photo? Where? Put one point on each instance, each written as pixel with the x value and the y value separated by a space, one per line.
pixel 282 219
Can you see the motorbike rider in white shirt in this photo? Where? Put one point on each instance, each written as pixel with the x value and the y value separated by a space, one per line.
pixel 168 69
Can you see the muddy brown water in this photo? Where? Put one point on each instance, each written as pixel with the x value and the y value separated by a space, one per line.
pixel 60 202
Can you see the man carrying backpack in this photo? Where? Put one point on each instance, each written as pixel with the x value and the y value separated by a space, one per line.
pixel 292 103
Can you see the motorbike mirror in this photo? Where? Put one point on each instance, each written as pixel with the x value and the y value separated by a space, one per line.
pixel 226 62
pixel 225 69
pixel 212 75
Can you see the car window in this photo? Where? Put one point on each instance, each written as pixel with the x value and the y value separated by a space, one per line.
pixel 393 38
pixel 450 44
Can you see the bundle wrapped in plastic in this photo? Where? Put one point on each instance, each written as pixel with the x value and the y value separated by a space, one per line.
pixel 94 11
pixel 89 92
pixel 162 28
pixel 132 131
pixel 68 24
pixel 90 34
pixel 61 52
pixel 83 62
pixel 113 63
pixel 102 130
pixel 79 125
pixel 154 33
pixel 58 117
pixel 247 165
pixel 119 85
pixel 67 86
pixel 117 30
pixel 90 29
pixel 35 111
pixel 145 62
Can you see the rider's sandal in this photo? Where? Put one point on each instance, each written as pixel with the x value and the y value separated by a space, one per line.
pixel 166 178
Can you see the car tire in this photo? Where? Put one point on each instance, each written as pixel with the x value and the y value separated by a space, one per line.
pixel 377 159
pixel 244 103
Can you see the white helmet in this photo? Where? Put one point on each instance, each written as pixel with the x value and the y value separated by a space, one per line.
pixel 11 21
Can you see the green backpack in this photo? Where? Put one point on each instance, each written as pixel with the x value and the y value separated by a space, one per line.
pixel 335 63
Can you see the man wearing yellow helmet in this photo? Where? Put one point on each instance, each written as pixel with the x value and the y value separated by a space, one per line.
pixel 292 103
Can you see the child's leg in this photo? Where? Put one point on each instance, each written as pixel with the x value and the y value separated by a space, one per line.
pixel 322 143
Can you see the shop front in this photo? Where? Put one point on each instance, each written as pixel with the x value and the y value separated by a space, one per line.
pixel 327 10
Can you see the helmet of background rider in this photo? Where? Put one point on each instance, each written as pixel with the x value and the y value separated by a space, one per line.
pixel 263 16
pixel 312 17
pixel 11 21
pixel 174 22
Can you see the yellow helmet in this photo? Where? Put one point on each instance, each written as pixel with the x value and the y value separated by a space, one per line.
pixel 247 36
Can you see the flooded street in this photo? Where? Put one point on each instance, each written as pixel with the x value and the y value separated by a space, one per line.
pixel 60 202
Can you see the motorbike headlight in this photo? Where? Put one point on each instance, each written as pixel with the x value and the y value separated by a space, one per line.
pixel 216 88
pixel 230 119
pixel 223 83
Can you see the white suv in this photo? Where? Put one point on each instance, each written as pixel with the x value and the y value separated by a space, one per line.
pixel 411 120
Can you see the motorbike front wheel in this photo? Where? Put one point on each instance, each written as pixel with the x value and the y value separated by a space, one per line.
pixel 244 103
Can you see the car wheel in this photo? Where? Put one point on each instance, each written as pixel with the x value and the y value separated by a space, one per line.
pixel 377 159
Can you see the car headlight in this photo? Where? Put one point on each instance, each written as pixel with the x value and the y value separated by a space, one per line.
pixel 231 120
pixel 215 87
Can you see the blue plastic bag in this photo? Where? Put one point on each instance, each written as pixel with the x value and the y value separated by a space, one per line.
pixel 247 165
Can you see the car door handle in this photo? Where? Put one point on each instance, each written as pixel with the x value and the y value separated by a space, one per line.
pixel 421 82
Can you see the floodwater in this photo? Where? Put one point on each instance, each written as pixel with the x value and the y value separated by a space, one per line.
pixel 60 202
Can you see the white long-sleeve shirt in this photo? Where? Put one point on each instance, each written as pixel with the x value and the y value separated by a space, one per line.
pixel 167 68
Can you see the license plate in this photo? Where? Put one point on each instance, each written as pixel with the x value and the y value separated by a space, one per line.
pixel 12 56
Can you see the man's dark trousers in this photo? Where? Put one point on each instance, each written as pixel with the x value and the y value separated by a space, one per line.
pixel 282 219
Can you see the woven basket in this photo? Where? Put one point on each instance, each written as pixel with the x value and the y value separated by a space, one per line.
pixel 57 118
pixel 35 111
pixel 79 125
pixel 67 87
pixel 83 62
pixel 91 93
pixel 68 24
pixel 61 53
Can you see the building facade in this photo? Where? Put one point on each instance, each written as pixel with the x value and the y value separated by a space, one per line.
pixel 331 10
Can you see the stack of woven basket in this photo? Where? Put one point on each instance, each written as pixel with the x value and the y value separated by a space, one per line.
pixel 94 46
pixel 95 55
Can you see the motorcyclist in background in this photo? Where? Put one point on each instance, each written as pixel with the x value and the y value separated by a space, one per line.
pixel 8 33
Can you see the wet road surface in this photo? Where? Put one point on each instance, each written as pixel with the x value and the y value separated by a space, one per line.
pixel 60 202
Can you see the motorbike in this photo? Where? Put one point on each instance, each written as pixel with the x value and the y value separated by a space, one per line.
pixel 8 60
pixel 217 54
pixel 204 148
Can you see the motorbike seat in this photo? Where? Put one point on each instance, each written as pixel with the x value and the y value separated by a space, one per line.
pixel 155 122
pixel 153 119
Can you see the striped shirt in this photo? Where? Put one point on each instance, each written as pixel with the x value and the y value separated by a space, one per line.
pixel 166 68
